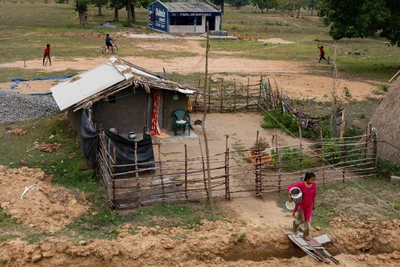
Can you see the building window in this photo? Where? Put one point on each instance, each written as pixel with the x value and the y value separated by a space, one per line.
pixel 186 20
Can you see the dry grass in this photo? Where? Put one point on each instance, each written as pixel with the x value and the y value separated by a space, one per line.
pixel 387 122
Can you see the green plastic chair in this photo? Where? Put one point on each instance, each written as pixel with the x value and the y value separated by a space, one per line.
pixel 179 120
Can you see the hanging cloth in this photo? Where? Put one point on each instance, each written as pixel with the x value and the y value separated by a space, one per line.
pixel 188 104
pixel 155 128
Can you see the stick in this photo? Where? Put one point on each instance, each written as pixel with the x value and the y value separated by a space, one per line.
pixel 394 76
pixel 204 131
pixel 186 178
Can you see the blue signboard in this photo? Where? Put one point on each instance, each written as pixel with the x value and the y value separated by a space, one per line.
pixel 197 14
pixel 158 16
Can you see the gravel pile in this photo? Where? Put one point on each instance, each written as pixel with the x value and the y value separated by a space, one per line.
pixel 19 107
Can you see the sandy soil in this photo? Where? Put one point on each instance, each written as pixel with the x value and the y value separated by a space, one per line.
pixel 292 77
pixel 221 243
pixel 44 207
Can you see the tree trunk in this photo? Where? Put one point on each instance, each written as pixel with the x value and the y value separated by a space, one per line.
pixel 262 11
pixel 298 11
pixel 312 9
pixel 133 14
pixel 99 7
pixel 66 1
pixel 116 19
pixel 82 19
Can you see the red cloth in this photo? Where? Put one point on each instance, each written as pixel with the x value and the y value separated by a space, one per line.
pixel 321 50
pixel 47 51
pixel 155 128
pixel 309 195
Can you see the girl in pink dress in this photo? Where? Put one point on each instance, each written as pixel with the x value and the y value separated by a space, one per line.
pixel 304 209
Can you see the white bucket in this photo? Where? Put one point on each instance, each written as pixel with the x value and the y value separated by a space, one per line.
pixel 290 205
pixel 296 195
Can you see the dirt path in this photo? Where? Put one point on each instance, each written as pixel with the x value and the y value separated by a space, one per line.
pixel 291 77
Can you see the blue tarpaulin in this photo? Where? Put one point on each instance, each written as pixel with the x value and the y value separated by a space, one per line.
pixel 42 79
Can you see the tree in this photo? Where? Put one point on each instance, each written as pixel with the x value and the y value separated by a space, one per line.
pixel 81 6
pixel 362 18
pixel 116 5
pixel 238 3
pixel 99 3
pixel 264 4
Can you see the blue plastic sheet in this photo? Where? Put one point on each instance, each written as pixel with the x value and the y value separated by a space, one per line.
pixel 42 79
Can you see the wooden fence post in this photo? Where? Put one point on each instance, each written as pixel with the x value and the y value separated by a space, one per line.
pixel 258 168
pixel 204 169
pixel 227 189
pixel 366 143
pixel 301 154
pixel 161 173
pixel 278 164
pixel 260 89
pixel 209 94
pixel 113 179
pixel 375 147
pixel 222 94
pixel 186 176
pixel 247 95
pixel 345 159
pixel 234 94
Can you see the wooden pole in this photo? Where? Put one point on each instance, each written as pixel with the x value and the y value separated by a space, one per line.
pixel 186 178
pixel 161 173
pixel 334 95
pixel 209 93
pixel 205 133
pixel 165 73
pixel 234 94
pixel 113 180
pixel 204 169
pixel 345 159
pixel 136 166
pixel 227 189
pixel 279 163
pixel 301 154
pixel 247 95
pixel 222 93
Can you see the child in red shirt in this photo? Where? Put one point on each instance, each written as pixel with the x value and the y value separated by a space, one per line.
pixel 47 54
pixel 321 53
pixel 305 208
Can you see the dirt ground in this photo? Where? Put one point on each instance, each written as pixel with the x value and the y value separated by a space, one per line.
pixel 220 243
pixel 223 243
pixel 292 77
pixel 43 207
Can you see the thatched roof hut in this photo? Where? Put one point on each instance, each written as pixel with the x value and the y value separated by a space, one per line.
pixel 386 120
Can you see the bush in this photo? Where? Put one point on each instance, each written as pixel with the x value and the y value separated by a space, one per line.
pixel 386 168
pixel 262 144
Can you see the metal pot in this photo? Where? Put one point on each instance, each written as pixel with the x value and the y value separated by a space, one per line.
pixel 131 135
pixel 296 195
pixel 114 130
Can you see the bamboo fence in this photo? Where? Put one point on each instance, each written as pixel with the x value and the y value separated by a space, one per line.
pixel 234 173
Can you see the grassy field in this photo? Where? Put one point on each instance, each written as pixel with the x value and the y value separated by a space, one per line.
pixel 349 200
pixel 27 26
pixel 69 169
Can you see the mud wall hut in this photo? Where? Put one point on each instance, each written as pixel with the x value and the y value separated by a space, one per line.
pixel 386 121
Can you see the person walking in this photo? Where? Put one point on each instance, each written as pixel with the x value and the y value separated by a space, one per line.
pixel 46 55
pixel 321 54
pixel 304 209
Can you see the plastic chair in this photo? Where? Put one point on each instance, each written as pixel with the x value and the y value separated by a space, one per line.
pixel 179 120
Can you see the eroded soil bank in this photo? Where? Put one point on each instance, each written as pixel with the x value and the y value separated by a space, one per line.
pixel 220 243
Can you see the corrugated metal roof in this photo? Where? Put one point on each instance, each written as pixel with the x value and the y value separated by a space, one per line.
pixel 85 84
pixel 200 7
pixel 108 78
